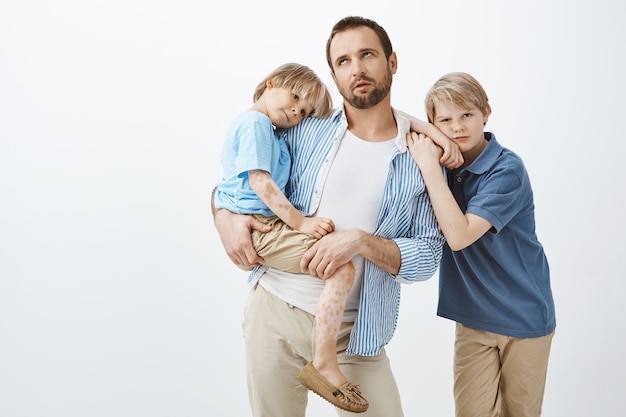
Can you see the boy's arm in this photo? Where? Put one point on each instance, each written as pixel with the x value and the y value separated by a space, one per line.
pixel 452 157
pixel 459 229
pixel 267 190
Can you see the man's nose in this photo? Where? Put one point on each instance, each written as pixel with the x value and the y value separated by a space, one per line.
pixel 357 67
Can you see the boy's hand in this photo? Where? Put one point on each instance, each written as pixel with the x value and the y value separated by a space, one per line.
pixel 423 150
pixel 317 226
pixel 452 157
pixel 234 230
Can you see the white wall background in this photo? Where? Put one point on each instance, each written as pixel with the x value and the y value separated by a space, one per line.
pixel 116 298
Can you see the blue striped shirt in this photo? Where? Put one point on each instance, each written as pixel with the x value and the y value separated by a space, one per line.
pixel 405 216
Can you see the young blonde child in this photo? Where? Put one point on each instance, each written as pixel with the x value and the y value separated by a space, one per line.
pixel 494 278
pixel 256 164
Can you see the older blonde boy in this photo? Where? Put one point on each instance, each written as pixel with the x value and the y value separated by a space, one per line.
pixel 494 276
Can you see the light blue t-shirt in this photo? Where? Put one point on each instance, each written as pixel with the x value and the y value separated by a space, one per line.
pixel 251 143
pixel 501 282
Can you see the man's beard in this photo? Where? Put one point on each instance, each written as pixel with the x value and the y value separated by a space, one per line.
pixel 381 90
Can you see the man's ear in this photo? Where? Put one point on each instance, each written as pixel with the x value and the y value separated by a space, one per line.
pixel 393 62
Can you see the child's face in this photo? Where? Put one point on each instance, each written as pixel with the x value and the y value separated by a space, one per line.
pixel 286 108
pixel 464 126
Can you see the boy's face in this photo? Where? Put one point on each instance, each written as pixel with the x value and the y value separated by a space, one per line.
pixel 464 126
pixel 284 107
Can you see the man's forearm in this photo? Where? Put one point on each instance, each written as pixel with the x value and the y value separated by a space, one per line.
pixel 382 252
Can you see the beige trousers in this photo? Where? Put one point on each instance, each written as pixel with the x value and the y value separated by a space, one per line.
pixel 279 343
pixel 499 376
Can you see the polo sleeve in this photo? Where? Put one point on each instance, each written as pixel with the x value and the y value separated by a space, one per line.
pixel 499 196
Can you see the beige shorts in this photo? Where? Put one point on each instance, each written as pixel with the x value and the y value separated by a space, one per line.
pixel 282 247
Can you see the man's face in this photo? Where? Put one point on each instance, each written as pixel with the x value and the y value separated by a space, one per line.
pixel 360 69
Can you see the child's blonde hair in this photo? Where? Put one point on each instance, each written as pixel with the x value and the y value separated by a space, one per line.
pixel 302 81
pixel 460 89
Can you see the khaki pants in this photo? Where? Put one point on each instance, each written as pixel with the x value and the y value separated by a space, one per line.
pixel 279 342
pixel 499 376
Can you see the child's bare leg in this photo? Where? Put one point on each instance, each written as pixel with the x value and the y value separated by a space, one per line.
pixel 330 308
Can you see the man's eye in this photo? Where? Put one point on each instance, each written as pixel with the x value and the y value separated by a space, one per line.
pixel 296 97
pixel 302 113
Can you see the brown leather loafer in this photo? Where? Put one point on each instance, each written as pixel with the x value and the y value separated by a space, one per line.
pixel 347 397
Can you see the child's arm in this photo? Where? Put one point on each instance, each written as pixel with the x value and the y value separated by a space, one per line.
pixel 267 190
pixel 459 229
pixel 452 157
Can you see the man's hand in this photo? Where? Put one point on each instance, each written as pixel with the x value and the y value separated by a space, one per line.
pixel 329 253
pixel 234 230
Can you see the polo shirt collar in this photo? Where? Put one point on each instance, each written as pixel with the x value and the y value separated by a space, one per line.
pixel 487 157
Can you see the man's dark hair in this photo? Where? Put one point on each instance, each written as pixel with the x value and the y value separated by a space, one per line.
pixel 352 22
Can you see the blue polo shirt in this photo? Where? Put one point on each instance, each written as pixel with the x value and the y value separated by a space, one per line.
pixel 500 283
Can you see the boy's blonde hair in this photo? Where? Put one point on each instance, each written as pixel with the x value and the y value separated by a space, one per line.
pixel 302 81
pixel 460 89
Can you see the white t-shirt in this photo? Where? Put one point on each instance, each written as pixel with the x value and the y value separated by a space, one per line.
pixel 351 198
